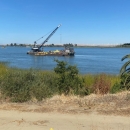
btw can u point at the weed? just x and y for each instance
(102, 84)
(116, 88)
(128, 96)
(20, 85)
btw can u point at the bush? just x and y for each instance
(125, 81)
(125, 74)
(89, 82)
(116, 88)
(68, 80)
(23, 85)
(17, 85)
(102, 84)
(44, 86)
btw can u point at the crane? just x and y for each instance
(38, 48)
(46, 40)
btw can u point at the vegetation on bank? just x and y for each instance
(126, 45)
(19, 85)
(125, 73)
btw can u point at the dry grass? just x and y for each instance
(117, 104)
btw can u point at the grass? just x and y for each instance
(18, 85)
(101, 83)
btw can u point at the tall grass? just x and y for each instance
(18, 85)
(101, 83)
(22, 85)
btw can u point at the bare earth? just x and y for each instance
(94, 112)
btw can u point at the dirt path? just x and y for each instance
(15, 120)
(94, 112)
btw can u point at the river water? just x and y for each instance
(87, 60)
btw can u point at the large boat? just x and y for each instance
(69, 51)
(38, 51)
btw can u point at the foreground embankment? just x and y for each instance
(93, 112)
(62, 100)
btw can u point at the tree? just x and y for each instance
(11, 44)
(68, 80)
(68, 45)
(15, 44)
(125, 73)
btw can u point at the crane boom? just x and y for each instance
(46, 40)
(37, 49)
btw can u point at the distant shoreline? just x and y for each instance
(83, 46)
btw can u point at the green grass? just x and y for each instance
(20, 85)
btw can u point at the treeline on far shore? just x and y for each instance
(19, 85)
(68, 45)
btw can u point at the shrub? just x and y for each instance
(44, 86)
(102, 84)
(128, 97)
(116, 88)
(125, 74)
(23, 85)
(41, 91)
(3, 70)
(17, 85)
(89, 82)
(68, 80)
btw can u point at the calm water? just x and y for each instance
(88, 60)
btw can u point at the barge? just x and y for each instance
(37, 51)
(67, 52)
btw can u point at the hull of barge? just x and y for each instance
(50, 54)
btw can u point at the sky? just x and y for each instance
(85, 22)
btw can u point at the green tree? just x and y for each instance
(11, 44)
(15, 44)
(68, 80)
(125, 74)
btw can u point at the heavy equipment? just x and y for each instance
(38, 51)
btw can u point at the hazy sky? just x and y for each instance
(83, 21)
